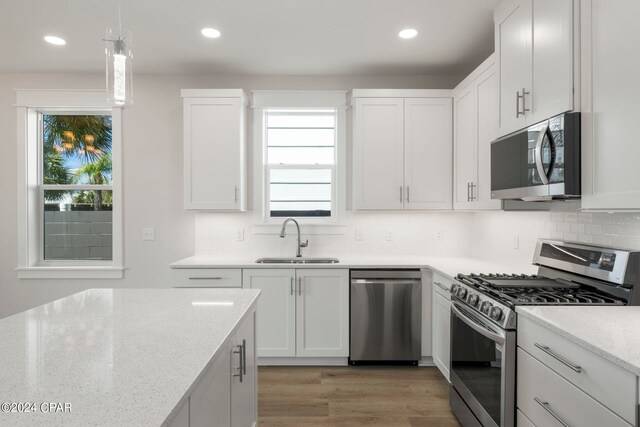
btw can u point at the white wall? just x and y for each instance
(152, 148)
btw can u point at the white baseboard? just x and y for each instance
(426, 361)
(303, 361)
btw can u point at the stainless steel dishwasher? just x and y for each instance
(386, 316)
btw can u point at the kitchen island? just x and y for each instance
(131, 357)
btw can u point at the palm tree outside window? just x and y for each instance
(76, 186)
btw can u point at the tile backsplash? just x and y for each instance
(511, 236)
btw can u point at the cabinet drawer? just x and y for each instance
(442, 282)
(206, 277)
(546, 398)
(609, 384)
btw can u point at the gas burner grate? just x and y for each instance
(534, 294)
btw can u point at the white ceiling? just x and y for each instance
(267, 37)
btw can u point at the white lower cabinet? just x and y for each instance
(227, 394)
(442, 323)
(559, 381)
(301, 312)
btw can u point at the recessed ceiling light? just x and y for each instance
(55, 40)
(212, 33)
(408, 33)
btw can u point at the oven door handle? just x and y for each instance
(498, 338)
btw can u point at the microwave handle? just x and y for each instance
(538, 154)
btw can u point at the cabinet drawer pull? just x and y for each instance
(407, 194)
(206, 278)
(292, 292)
(559, 358)
(235, 194)
(401, 193)
(545, 406)
(299, 285)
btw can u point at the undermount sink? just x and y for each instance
(297, 260)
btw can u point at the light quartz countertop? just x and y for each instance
(450, 266)
(119, 357)
(611, 332)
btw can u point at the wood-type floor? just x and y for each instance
(353, 396)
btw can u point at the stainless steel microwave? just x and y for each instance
(541, 162)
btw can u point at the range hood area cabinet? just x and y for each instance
(534, 42)
(402, 149)
(610, 107)
(475, 121)
(214, 129)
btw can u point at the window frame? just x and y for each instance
(31, 106)
(268, 167)
(300, 100)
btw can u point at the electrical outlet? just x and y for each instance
(516, 242)
(389, 236)
(240, 234)
(440, 234)
(359, 234)
(149, 233)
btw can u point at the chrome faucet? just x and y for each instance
(284, 233)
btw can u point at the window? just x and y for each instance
(75, 186)
(69, 203)
(300, 141)
(300, 162)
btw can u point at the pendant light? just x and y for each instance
(119, 69)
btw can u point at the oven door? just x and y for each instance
(482, 368)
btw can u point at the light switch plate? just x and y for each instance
(149, 233)
(389, 236)
(240, 234)
(439, 234)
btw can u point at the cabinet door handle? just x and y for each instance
(299, 285)
(244, 357)
(559, 358)
(206, 278)
(401, 193)
(545, 406)
(468, 191)
(407, 194)
(473, 191)
(524, 104)
(235, 193)
(239, 352)
(292, 279)
(518, 104)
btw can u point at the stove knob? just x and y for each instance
(473, 299)
(496, 313)
(461, 293)
(486, 307)
(453, 288)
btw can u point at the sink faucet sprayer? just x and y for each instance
(284, 233)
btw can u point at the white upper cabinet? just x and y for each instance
(535, 48)
(214, 149)
(427, 153)
(378, 155)
(402, 152)
(475, 112)
(610, 107)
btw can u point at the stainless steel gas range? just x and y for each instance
(483, 319)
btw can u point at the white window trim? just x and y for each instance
(30, 266)
(263, 100)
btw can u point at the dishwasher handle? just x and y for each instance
(385, 281)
